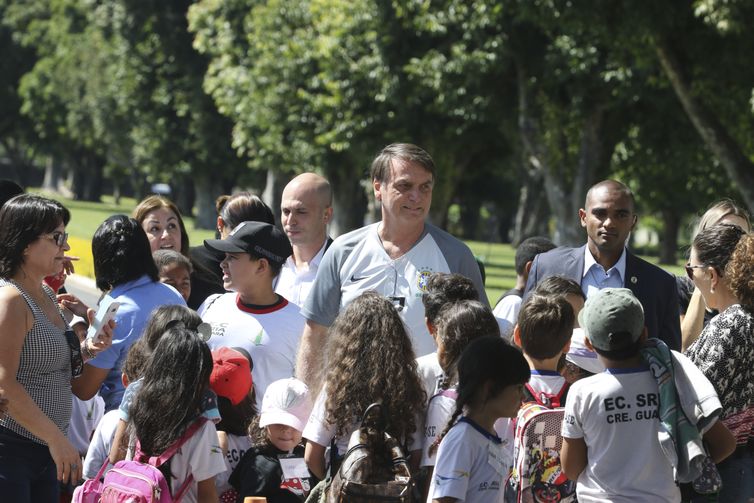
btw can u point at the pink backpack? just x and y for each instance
(138, 480)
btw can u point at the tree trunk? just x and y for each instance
(206, 190)
(532, 212)
(273, 192)
(669, 237)
(183, 194)
(53, 175)
(740, 169)
(349, 197)
(86, 183)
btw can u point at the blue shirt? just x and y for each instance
(596, 277)
(137, 299)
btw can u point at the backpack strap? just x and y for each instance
(513, 291)
(158, 461)
(545, 399)
(449, 393)
(381, 419)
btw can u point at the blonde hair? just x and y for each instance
(719, 210)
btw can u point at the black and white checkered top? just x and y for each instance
(44, 368)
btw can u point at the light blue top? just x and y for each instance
(137, 299)
(596, 277)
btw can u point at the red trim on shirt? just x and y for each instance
(261, 309)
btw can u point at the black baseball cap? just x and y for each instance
(256, 238)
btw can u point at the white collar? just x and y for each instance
(619, 266)
(314, 262)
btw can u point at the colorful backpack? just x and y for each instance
(371, 473)
(537, 475)
(138, 480)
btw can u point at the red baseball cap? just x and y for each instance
(231, 374)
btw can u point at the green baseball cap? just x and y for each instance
(612, 319)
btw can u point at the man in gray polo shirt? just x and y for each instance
(393, 257)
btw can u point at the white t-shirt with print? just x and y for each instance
(201, 456)
(439, 411)
(430, 372)
(270, 336)
(616, 413)
(469, 466)
(237, 446)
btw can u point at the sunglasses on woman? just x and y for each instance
(690, 270)
(77, 361)
(60, 238)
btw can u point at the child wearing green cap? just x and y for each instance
(611, 445)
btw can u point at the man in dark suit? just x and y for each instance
(609, 217)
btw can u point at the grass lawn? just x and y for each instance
(498, 258)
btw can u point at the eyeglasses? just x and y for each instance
(77, 362)
(690, 270)
(60, 238)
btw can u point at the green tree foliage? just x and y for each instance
(539, 98)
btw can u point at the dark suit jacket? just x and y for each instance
(655, 288)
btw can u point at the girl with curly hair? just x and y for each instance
(370, 359)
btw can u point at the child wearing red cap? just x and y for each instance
(232, 383)
(274, 468)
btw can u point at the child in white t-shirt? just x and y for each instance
(544, 334)
(457, 324)
(610, 429)
(469, 465)
(232, 383)
(442, 289)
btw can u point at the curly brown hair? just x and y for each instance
(370, 359)
(740, 271)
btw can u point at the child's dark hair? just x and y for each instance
(529, 249)
(457, 324)
(621, 354)
(486, 360)
(175, 380)
(545, 323)
(165, 258)
(553, 285)
(160, 320)
(135, 362)
(443, 288)
(259, 438)
(237, 419)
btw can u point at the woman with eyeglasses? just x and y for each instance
(721, 266)
(40, 356)
(125, 271)
(694, 313)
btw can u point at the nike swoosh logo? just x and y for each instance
(354, 279)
